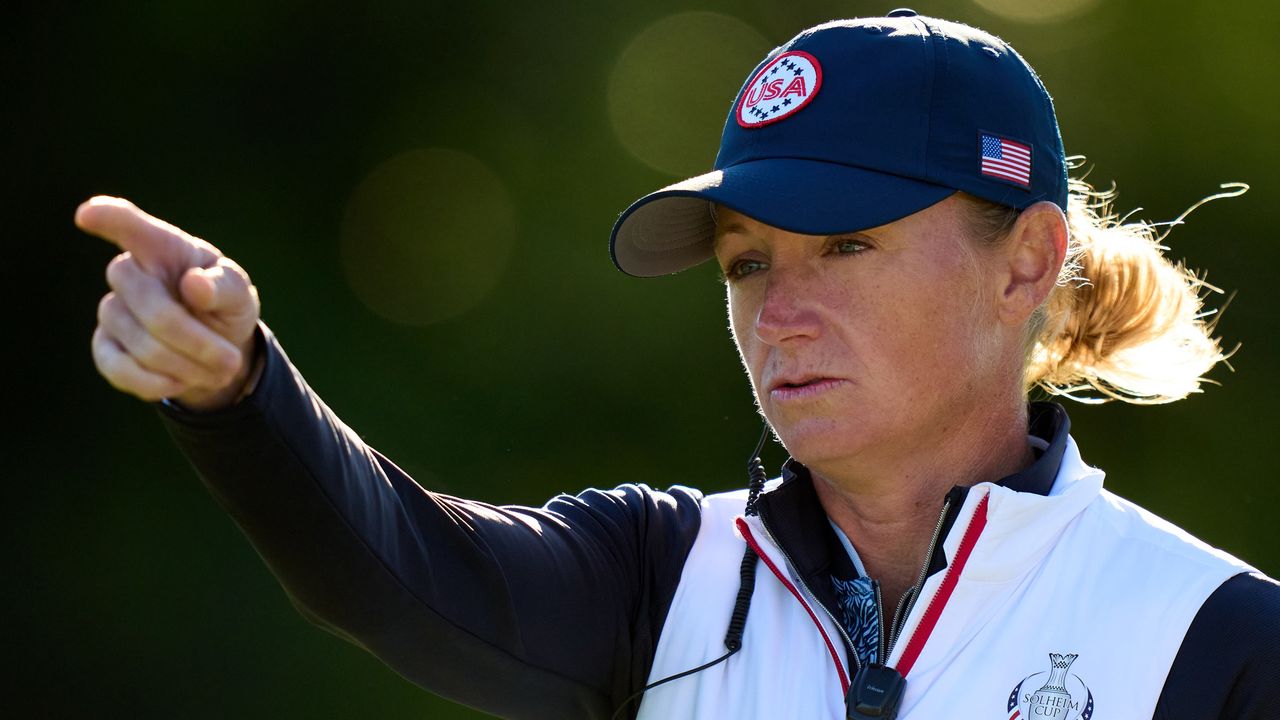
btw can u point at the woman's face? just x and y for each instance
(868, 344)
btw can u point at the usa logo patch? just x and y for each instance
(780, 89)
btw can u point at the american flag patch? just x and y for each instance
(1006, 159)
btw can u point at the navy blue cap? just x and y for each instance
(854, 124)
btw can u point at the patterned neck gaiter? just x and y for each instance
(860, 615)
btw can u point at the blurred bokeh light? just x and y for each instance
(1037, 11)
(672, 86)
(426, 235)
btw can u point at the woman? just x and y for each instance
(904, 259)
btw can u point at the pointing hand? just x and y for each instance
(179, 320)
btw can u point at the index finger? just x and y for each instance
(160, 248)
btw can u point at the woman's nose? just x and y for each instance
(787, 312)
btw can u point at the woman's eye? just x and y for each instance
(743, 268)
(848, 245)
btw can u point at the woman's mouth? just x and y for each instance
(787, 392)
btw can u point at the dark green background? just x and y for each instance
(129, 594)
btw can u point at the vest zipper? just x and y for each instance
(882, 646)
(904, 605)
(929, 618)
(850, 651)
(908, 598)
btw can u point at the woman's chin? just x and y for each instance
(814, 441)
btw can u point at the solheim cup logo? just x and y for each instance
(1062, 695)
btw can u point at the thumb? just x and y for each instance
(199, 290)
(223, 290)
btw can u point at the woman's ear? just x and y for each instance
(1033, 257)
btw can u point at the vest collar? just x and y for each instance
(1047, 421)
(795, 517)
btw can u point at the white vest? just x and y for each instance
(1070, 606)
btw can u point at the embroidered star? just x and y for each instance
(786, 101)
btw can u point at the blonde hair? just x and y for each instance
(1123, 322)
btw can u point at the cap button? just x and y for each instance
(903, 12)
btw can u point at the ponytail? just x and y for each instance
(1124, 322)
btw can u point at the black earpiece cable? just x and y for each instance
(746, 585)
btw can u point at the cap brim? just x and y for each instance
(670, 230)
